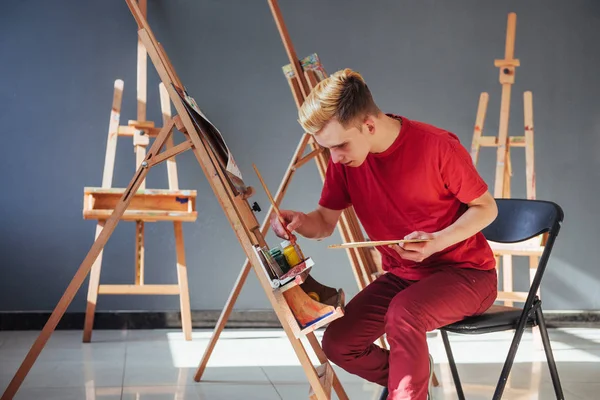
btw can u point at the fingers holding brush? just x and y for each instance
(285, 223)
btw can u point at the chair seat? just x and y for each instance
(496, 318)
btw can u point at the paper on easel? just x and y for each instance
(310, 62)
(216, 141)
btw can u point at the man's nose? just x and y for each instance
(335, 157)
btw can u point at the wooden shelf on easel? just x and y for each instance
(291, 290)
(329, 307)
(147, 205)
(139, 289)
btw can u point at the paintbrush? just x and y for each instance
(350, 245)
(290, 235)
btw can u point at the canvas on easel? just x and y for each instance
(232, 195)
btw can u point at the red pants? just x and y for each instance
(405, 311)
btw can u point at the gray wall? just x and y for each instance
(425, 60)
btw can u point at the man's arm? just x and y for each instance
(320, 223)
(481, 212)
(317, 224)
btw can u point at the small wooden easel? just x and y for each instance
(533, 247)
(288, 295)
(503, 142)
(147, 205)
(302, 76)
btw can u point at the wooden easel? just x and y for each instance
(147, 205)
(532, 248)
(302, 76)
(225, 180)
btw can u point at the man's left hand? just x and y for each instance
(417, 251)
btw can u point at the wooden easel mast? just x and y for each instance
(503, 173)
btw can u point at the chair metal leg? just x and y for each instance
(453, 369)
(384, 394)
(549, 355)
(510, 358)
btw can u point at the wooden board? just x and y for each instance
(146, 205)
(375, 243)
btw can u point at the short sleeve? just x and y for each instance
(335, 195)
(459, 173)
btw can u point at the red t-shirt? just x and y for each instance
(422, 182)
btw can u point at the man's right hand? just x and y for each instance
(292, 220)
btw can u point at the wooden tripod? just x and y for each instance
(532, 248)
(226, 182)
(146, 205)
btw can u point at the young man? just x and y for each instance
(405, 179)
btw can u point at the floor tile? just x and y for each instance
(363, 391)
(159, 393)
(69, 393)
(228, 391)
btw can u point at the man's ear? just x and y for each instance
(369, 124)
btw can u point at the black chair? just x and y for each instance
(517, 220)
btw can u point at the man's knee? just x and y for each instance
(335, 344)
(403, 315)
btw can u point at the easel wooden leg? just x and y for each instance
(529, 153)
(113, 135)
(237, 288)
(93, 285)
(309, 369)
(316, 346)
(107, 175)
(139, 252)
(478, 129)
(507, 275)
(182, 278)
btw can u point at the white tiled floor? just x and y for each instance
(261, 365)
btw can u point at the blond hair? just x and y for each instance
(343, 96)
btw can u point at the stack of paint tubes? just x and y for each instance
(287, 256)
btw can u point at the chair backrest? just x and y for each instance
(522, 219)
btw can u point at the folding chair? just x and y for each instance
(518, 220)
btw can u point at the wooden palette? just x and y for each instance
(350, 245)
